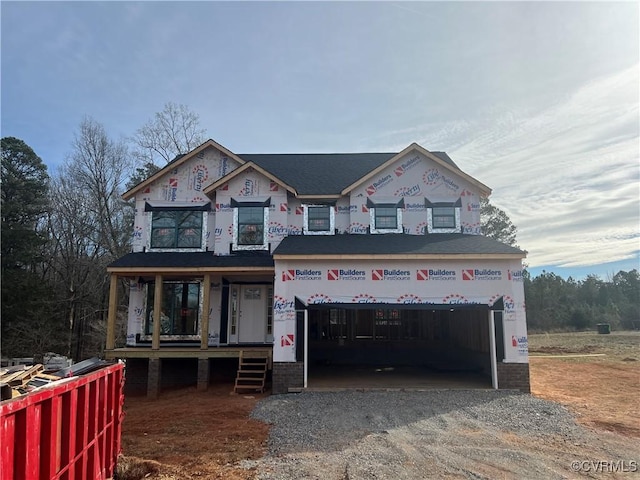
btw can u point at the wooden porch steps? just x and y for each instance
(252, 371)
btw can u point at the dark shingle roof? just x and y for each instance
(192, 259)
(445, 158)
(323, 173)
(392, 244)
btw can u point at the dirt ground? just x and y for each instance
(602, 391)
(189, 434)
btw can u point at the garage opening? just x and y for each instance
(398, 346)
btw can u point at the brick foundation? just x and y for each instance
(514, 376)
(287, 376)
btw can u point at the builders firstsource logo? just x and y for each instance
(304, 274)
(481, 274)
(521, 343)
(348, 274)
(378, 184)
(414, 207)
(408, 165)
(384, 274)
(515, 275)
(436, 274)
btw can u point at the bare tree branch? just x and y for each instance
(173, 131)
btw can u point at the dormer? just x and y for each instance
(251, 210)
(385, 215)
(172, 212)
(416, 192)
(444, 217)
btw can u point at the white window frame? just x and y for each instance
(398, 205)
(457, 209)
(203, 240)
(332, 220)
(265, 223)
(372, 220)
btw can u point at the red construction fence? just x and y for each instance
(69, 430)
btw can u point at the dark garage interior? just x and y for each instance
(399, 346)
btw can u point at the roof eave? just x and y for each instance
(209, 143)
(135, 271)
(221, 181)
(401, 256)
(414, 146)
(308, 196)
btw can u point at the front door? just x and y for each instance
(252, 314)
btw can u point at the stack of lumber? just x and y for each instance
(22, 379)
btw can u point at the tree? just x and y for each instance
(26, 299)
(625, 291)
(98, 168)
(557, 304)
(90, 226)
(173, 131)
(141, 174)
(24, 202)
(496, 223)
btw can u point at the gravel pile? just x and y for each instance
(407, 435)
(324, 421)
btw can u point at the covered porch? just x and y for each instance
(150, 343)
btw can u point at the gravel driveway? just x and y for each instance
(471, 434)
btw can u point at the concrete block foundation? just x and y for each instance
(203, 374)
(514, 376)
(287, 376)
(154, 377)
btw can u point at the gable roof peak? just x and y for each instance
(179, 160)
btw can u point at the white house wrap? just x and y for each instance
(340, 259)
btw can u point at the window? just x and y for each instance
(387, 324)
(319, 219)
(176, 229)
(251, 226)
(386, 218)
(444, 217)
(180, 308)
(270, 311)
(234, 310)
(250, 220)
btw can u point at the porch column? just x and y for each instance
(306, 347)
(111, 315)
(204, 321)
(492, 349)
(157, 311)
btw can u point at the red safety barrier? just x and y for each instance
(68, 430)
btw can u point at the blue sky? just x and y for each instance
(537, 100)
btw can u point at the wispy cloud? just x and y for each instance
(568, 175)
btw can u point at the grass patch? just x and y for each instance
(616, 346)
